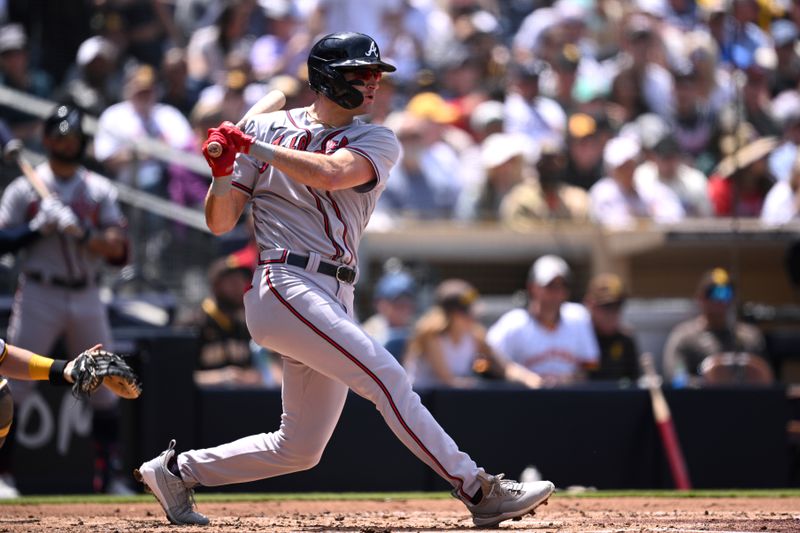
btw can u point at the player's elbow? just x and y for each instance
(218, 227)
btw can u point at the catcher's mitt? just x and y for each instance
(99, 367)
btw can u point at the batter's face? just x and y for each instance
(366, 81)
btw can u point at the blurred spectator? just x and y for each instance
(424, 183)
(505, 159)
(448, 343)
(526, 111)
(406, 33)
(224, 356)
(551, 336)
(283, 47)
(536, 36)
(782, 203)
(210, 45)
(176, 89)
(643, 54)
(139, 115)
(756, 98)
(787, 69)
(714, 85)
(545, 196)
(665, 166)
(694, 123)
(714, 332)
(786, 109)
(95, 83)
(619, 354)
(147, 26)
(17, 73)
(739, 33)
(229, 95)
(586, 137)
(395, 302)
(331, 16)
(618, 201)
(741, 180)
(565, 74)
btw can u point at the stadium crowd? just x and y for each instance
(610, 112)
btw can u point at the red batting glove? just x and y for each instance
(239, 139)
(222, 165)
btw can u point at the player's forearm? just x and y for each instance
(110, 244)
(223, 211)
(320, 171)
(23, 364)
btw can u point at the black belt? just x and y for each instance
(340, 272)
(76, 285)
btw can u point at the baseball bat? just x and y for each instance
(13, 150)
(665, 424)
(272, 101)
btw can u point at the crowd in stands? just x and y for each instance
(610, 112)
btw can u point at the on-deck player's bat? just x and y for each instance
(666, 427)
(272, 101)
(13, 151)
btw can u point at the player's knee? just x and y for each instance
(6, 410)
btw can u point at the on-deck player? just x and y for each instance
(312, 195)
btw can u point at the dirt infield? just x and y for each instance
(562, 515)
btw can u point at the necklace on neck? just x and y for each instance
(313, 117)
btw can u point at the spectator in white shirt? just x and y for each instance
(618, 202)
(551, 336)
(782, 203)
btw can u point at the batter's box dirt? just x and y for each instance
(562, 515)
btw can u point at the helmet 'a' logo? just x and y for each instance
(373, 50)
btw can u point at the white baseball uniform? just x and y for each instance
(307, 316)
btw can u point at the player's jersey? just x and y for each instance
(293, 216)
(90, 196)
(559, 352)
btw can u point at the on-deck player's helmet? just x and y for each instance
(66, 120)
(340, 51)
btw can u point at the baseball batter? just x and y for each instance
(313, 187)
(66, 237)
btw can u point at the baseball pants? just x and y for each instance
(308, 318)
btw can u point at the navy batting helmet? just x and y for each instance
(340, 51)
(66, 120)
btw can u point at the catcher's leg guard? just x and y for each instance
(6, 410)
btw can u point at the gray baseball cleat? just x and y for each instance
(504, 499)
(170, 490)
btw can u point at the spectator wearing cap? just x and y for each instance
(619, 353)
(643, 55)
(395, 302)
(448, 346)
(176, 89)
(665, 166)
(787, 68)
(586, 136)
(564, 76)
(140, 115)
(715, 331)
(694, 123)
(742, 179)
(17, 73)
(544, 196)
(526, 110)
(782, 203)
(618, 202)
(786, 108)
(224, 355)
(424, 183)
(550, 336)
(756, 97)
(505, 160)
(95, 83)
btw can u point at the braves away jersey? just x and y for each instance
(290, 215)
